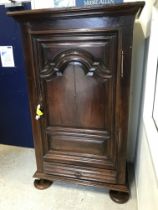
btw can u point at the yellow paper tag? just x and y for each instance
(39, 112)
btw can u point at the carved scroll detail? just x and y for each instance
(57, 66)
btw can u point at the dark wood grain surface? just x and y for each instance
(78, 69)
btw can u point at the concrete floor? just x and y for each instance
(17, 165)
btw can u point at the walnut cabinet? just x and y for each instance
(78, 70)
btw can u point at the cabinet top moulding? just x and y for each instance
(123, 9)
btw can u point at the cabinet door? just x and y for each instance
(78, 89)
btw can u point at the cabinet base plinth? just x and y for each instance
(119, 197)
(42, 184)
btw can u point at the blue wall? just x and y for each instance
(15, 123)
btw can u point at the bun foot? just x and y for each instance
(42, 184)
(119, 197)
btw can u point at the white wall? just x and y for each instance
(145, 176)
(4, 1)
(146, 181)
(7, 1)
(37, 4)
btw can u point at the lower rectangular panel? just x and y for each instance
(81, 173)
(78, 140)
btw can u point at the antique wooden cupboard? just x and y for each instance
(78, 69)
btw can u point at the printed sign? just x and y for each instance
(6, 55)
(96, 2)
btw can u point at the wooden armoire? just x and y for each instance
(78, 70)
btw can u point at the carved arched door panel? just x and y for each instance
(78, 96)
